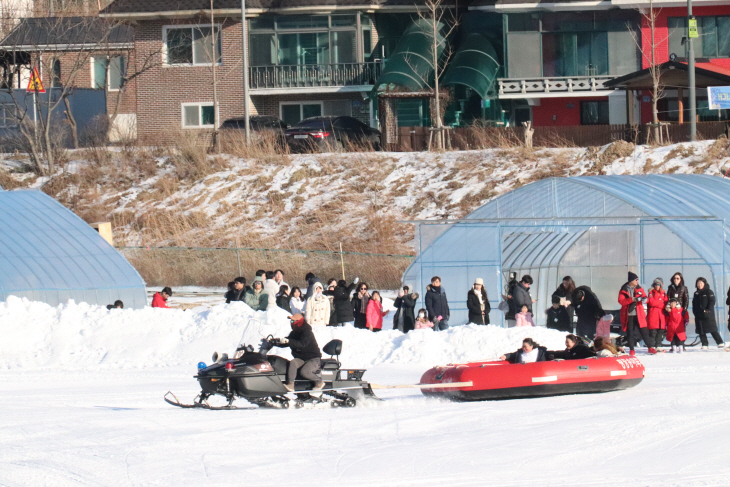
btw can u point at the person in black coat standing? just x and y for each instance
(677, 290)
(282, 298)
(477, 303)
(565, 291)
(558, 318)
(703, 307)
(588, 309)
(306, 353)
(405, 315)
(437, 305)
(360, 305)
(521, 297)
(343, 309)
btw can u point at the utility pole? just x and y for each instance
(692, 24)
(244, 46)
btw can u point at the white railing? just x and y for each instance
(566, 84)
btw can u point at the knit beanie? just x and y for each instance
(632, 276)
(659, 281)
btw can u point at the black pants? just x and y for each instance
(703, 337)
(677, 342)
(634, 333)
(586, 329)
(306, 370)
(657, 337)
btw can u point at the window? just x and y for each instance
(594, 112)
(198, 115)
(56, 73)
(307, 39)
(293, 113)
(575, 54)
(191, 45)
(713, 40)
(107, 72)
(8, 117)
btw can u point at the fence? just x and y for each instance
(200, 266)
(465, 138)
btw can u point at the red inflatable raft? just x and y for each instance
(502, 380)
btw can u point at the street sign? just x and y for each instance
(34, 83)
(718, 97)
(692, 24)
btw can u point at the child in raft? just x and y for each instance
(676, 332)
(524, 317)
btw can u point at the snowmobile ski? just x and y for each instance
(310, 391)
(201, 404)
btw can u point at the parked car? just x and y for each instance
(331, 133)
(260, 126)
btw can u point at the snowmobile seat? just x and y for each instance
(333, 347)
(329, 364)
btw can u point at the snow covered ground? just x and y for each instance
(81, 399)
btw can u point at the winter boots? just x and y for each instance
(289, 386)
(652, 351)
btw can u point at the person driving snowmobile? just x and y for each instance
(306, 353)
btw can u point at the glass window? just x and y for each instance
(594, 113)
(708, 31)
(116, 72)
(568, 21)
(291, 114)
(311, 110)
(179, 46)
(265, 22)
(302, 22)
(723, 36)
(198, 115)
(523, 22)
(192, 45)
(367, 42)
(344, 20)
(344, 47)
(262, 49)
(575, 54)
(56, 73)
(99, 74)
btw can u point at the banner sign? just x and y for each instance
(692, 24)
(718, 97)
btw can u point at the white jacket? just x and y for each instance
(271, 287)
(318, 310)
(297, 306)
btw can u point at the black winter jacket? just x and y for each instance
(559, 319)
(576, 353)
(282, 301)
(407, 306)
(516, 357)
(303, 344)
(475, 309)
(589, 310)
(521, 297)
(703, 307)
(562, 293)
(342, 305)
(510, 315)
(234, 295)
(436, 302)
(680, 293)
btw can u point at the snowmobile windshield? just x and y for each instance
(253, 333)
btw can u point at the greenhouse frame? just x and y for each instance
(49, 254)
(592, 228)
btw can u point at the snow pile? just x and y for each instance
(84, 337)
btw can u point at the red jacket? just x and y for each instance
(657, 302)
(159, 302)
(624, 299)
(375, 314)
(675, 324)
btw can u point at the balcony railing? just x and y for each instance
(566, 84)
(314, 75)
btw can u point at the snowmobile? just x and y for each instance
(259, 378)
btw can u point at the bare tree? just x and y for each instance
(650, 16)
(440, 22)
(40, 125)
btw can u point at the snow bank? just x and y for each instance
(79, 336)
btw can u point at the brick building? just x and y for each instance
(79, 52)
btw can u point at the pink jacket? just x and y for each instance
(375, 314)
(421, 325)
(524, 319)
